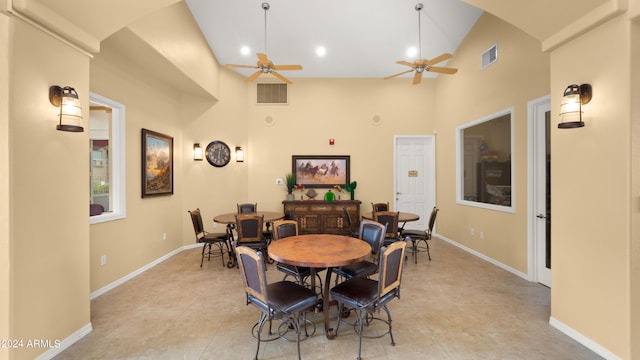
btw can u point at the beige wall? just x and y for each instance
(135, 241)
(49, 276)
(635, 190)
(143, 67)
(215, 190)
(50, 194)
(341, 109)
(5, 248)
(519, 75)
(591, 189)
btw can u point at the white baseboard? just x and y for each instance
(484, 257)
(64, 344)
(130, 276)
(73, 338)
(588, 343)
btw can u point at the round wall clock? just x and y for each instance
(218, 153)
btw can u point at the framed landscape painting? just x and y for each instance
(321, 171)
(157, 164)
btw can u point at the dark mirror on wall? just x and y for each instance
(485, 168)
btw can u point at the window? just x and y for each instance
(107, 155)
(484, 162)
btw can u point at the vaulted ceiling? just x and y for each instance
(362, 38)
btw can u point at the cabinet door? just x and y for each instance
(310, 224)
(334, 224)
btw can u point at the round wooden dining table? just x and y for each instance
(230, 218)
(320, 251)
(402, 216)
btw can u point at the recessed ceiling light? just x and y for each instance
(321, 51)
(412, 52)
(245, 50)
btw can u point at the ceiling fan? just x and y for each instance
(264, 65)
(421, 65)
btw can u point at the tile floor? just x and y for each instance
(455, 307)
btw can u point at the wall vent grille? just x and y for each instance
(490, 56)
(271, 93)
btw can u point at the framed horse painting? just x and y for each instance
(321, 171)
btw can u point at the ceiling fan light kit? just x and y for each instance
(264, 65)
(421, 65)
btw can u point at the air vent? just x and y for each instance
(271, 94)
(490, 56)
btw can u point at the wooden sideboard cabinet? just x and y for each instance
(323, 217)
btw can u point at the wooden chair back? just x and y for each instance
(198, 226)
(373, 233)
(252, 270)
(284, 228)
(390, 218)
(375, 207)
(391, 262)
(247, 208)
(249, 228)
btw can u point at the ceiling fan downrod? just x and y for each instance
(419, 7)
(265, 7)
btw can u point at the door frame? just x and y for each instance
(430, 168)
(534, 108)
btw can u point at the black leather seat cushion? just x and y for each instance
(359, 269)
(359, 292)
(287, 297)
(414, 234)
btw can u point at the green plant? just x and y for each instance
(290, 182)
(350, 187)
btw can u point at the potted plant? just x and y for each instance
(290, 182)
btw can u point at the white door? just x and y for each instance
(542, 192)
(415, 178)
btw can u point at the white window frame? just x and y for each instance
(460, 163)
(117, 187)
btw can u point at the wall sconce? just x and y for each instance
(239, 154)
(66, 98)
(571, 108)
(197, 152)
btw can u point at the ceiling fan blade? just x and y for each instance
(288, 67)
(241, 66)
(443, 70)
(254, 76)
(441, 58)
(262, 59)
(392, 76)
(402, 62)
(281, 77)
(417, 78)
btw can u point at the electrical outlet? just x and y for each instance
(279, 182)
(103, 260)
(472, 231)
(481, 234)
(164, 236)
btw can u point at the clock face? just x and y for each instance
(218, 153)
